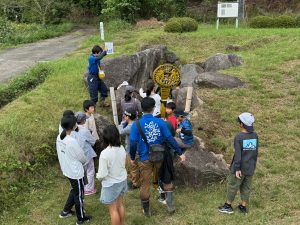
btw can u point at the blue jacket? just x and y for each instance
(186, 134)
(156, 132)
(94, 63)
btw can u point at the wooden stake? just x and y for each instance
(114, 105)
(188, 102)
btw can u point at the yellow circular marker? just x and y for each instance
(167, 76)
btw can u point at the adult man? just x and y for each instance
(156, 132)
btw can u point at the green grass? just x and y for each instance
(28, 33)
(28, 127)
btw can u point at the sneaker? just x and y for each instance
(226, 208)
(63, 214)
(162, 200)
(242, 209)
(85, 220)
(87, 193)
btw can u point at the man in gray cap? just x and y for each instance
(243, 164)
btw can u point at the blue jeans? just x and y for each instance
(96, 85)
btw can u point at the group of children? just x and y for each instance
(78, 136)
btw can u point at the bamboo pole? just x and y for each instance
(114, 105)
(188, 102)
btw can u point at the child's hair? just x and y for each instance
(97, 49)
(128, 96)
(68, 113)
(111, 136)
(150, 88)
(67, 123)
(87, 104)
(240, 122)
(147, 104)
(171, 105)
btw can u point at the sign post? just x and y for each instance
(228, 10)
(101, 31)
(167, 76)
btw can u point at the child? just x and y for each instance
(95, 84)
(243, 164)
(170, 107)
(113, 174)
(89, 109)
(86, 141)
(151, 93)
(133, 168)
(66, 113)
(130, 102)
(185, 130)
(71, 159)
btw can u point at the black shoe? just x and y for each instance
(146, 208)
(242, 209)
(226, 208)
(63, 214)
(86, 219)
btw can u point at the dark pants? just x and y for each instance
(76, 198)
(235, 184)
(96, 85)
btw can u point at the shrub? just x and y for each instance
(173, 27)
(297, 21)
(284, 21)
(262, 22)
(181, 24)
(22, 84)
(6, 30)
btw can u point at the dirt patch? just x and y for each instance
(257, 43)
(290, 65)
(151, 23)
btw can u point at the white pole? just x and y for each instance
(236, 23)
(218, 20)
(189, 96)
(114, 105)
(102, 31)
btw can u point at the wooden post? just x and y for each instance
(114, 105)
(188, 102)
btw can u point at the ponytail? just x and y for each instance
(63, 134)
(127, 96)
(150, 88)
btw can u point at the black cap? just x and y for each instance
(180, 112)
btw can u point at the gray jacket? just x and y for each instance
(125, 132)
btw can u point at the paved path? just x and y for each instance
(17, 60)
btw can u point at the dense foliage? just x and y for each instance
(181, 24)
(283, 21)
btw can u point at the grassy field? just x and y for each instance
(28, 127)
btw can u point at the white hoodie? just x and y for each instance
(71, 157)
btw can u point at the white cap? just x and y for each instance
(247, 119)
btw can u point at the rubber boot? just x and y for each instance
(170, 202)
(146, 208)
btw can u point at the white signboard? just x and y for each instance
(102, 31)
(228, 10)
(110, 47)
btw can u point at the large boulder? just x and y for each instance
(179, 97)
(101, 123)
(221, 62)
(201, 167)
(217, 80)
(188, 74)
(135, 69)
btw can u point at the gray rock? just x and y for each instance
(136, 69)
(217, 80)
(221, 62)
(101, 123)
(201, 167)
(179, 97)
(171, 57)
(188, 74)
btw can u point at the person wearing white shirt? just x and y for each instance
(150, 93)
(86, 141)
(113, 174)
(71, 159)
